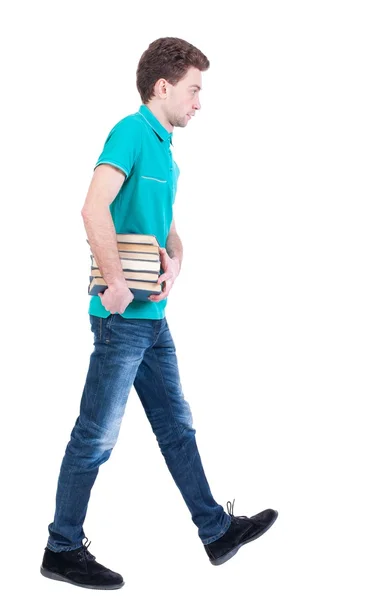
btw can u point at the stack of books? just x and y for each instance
(139, 256)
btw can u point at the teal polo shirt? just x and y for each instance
(139, 146)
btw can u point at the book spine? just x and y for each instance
(134, 238)
(145, 248)
(142, 268)
(127, 275)
(139, 295)
(139, 256)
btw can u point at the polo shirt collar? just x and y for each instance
(156, 125)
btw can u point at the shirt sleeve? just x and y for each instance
(122, 146)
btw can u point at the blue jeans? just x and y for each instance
(127, 352)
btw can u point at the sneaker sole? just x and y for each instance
(231, 553)
(58, 577)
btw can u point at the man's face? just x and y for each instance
(183, 98)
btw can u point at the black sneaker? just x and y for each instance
(79, 567)
(241, 531)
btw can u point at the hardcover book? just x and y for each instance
(141, 289)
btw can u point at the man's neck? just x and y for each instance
(159, 114)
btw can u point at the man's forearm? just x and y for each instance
(102, 239)
(174, 248)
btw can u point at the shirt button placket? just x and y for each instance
(171, 173)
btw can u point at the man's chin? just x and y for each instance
(182, 123)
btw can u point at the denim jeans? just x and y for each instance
(127, 352)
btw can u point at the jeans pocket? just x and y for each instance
(107, 329)
(101, 327)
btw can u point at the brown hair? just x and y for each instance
(169, 58)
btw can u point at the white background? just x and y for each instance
(280, 314)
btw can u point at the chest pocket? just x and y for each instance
(153, 179)
(154, 190)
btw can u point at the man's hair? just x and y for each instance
(169, 58)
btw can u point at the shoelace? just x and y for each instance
(230, 508)
(84, 552)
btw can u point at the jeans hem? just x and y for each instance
(219, 535)
(54, 548)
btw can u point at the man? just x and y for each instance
(132, 191)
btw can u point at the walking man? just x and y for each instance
(132, 191)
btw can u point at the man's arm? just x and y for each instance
(104, 187)
(174, 246)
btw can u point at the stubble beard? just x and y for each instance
(178, 121)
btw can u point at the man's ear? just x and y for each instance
(160, 88)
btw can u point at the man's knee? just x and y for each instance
(89, 440)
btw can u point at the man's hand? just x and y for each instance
(116, 298)
(171, 269)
